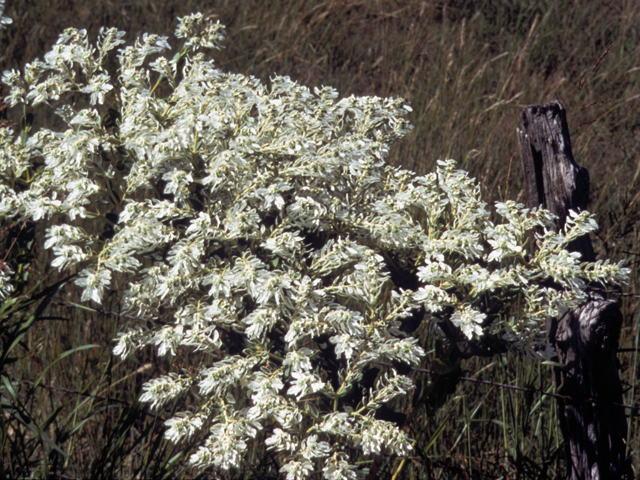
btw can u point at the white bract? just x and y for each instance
(4, 21)
(258, 227)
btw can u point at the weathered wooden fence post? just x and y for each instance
(586, 339)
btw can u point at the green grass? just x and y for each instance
(468, 68)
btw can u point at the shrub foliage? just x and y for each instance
(259, 229)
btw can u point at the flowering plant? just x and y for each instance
(259, 228)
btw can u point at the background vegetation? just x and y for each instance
(467, 67)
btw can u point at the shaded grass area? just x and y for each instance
(467, 67)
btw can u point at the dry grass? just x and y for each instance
(467, 67)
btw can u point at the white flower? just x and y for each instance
(4, 21)
(379, 436)
(339, 469)
(94, 283)
(129, 341)
(168, 339)
(281, 441)
(159, 391)
(304, 384)
(297, 469)
(183, 426)
(98, 86)
(224, 448)
(469, 320)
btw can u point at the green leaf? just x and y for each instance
(60, 357)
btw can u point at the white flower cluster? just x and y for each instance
(259, 228)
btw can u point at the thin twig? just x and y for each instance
(514, 387)
(62, 303)
(66, 390)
